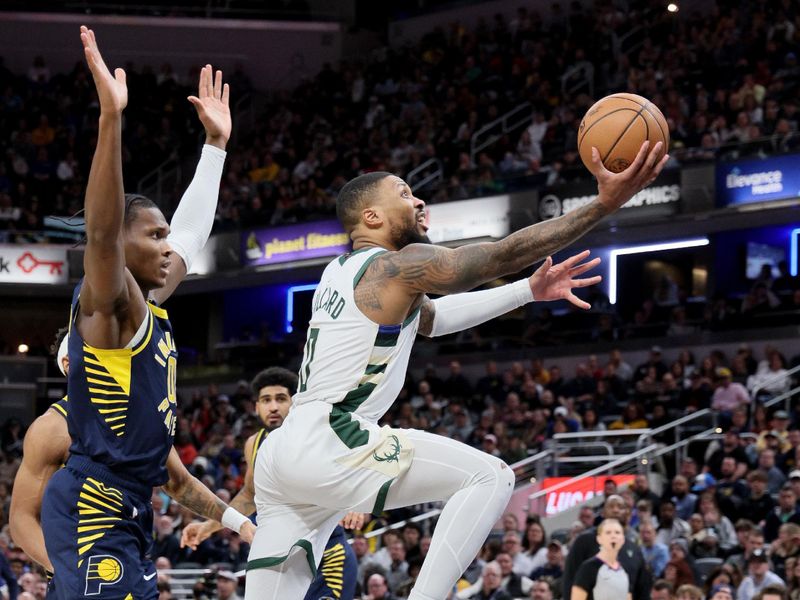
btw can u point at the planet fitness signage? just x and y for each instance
(758, 180)
(294, 242)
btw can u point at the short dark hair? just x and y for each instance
(274, 376)
(60, 335)
(134, 203)
(352, 196)
(662, 585)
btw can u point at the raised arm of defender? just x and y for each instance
(104, 258)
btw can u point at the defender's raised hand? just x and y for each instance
(556, 282)
(112, 90)
(615, 189)
(212, 104)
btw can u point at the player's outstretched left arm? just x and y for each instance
(192, 222)
(457, 312)
(189, 491)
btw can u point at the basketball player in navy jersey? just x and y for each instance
(336, 577)
(96, 513)
(45, 451)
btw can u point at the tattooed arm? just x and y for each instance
(422, 268)
(188, 491)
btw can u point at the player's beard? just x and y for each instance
(409, 234)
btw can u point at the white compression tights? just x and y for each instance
(475, 485)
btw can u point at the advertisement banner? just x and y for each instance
(661, 197)
(293, 242)
(469, 219)
(577, 492)
(33, 264)
(758, 180)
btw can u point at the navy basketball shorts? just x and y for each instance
(98, 530)
(337, 572)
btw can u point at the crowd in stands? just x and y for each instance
(729, 76)
(736, 501)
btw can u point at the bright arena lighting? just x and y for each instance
(793, 257)
(672, 7)
(290, 302)
(23, 348)
(612, 268)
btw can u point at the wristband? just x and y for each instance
(233, 519)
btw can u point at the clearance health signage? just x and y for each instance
(294, 242)
(758, 180)
(33, 264)
(577, 492)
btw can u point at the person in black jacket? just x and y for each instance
(630, 556)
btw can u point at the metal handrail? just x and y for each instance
(596, 471)
(771, 380)
(785, 397)
(586, 69)
(649, 434)
(436, 175)
(599, 434)
(171, 166)
(476, 147)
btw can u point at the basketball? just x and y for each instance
(617, 125)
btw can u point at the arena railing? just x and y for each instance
(678, 425)
(635, 461)
(431, 171)
(482, 138)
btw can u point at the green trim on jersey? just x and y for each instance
(343, 258)
(366, 264)
(410, 318)
(271, 561)
(380, 499)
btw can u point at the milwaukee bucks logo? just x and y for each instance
(394, 453)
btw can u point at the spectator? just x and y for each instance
(397, 572)
(786, 512)
(772, 592)
(513, 584)
(512, 544)
(490, 585)
(759, 576)
(656, 554)
(662, 590)
(784, 548)
(682, 500)
(540, 590)
(227, 582)
(729, 395)
(759, 503)
(722, 591)
(670, 526)
(690, 592)
(535, 545)
(166, 542)
(377, 588)
(553, 569)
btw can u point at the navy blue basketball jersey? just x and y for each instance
(260, 437)
(122, 404)
(61, 407)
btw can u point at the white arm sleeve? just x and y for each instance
(191, 224)
(462, 311)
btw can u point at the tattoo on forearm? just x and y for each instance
(200, 500)
(442, 271)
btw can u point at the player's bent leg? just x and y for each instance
(477, 488)
(288, 580)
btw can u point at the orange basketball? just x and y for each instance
(617, 126)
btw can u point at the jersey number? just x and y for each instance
(308, 357)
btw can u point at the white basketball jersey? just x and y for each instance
(349, 360)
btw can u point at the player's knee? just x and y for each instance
(506, 478)
(499, 477)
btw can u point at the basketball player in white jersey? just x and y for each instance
(330, 456)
